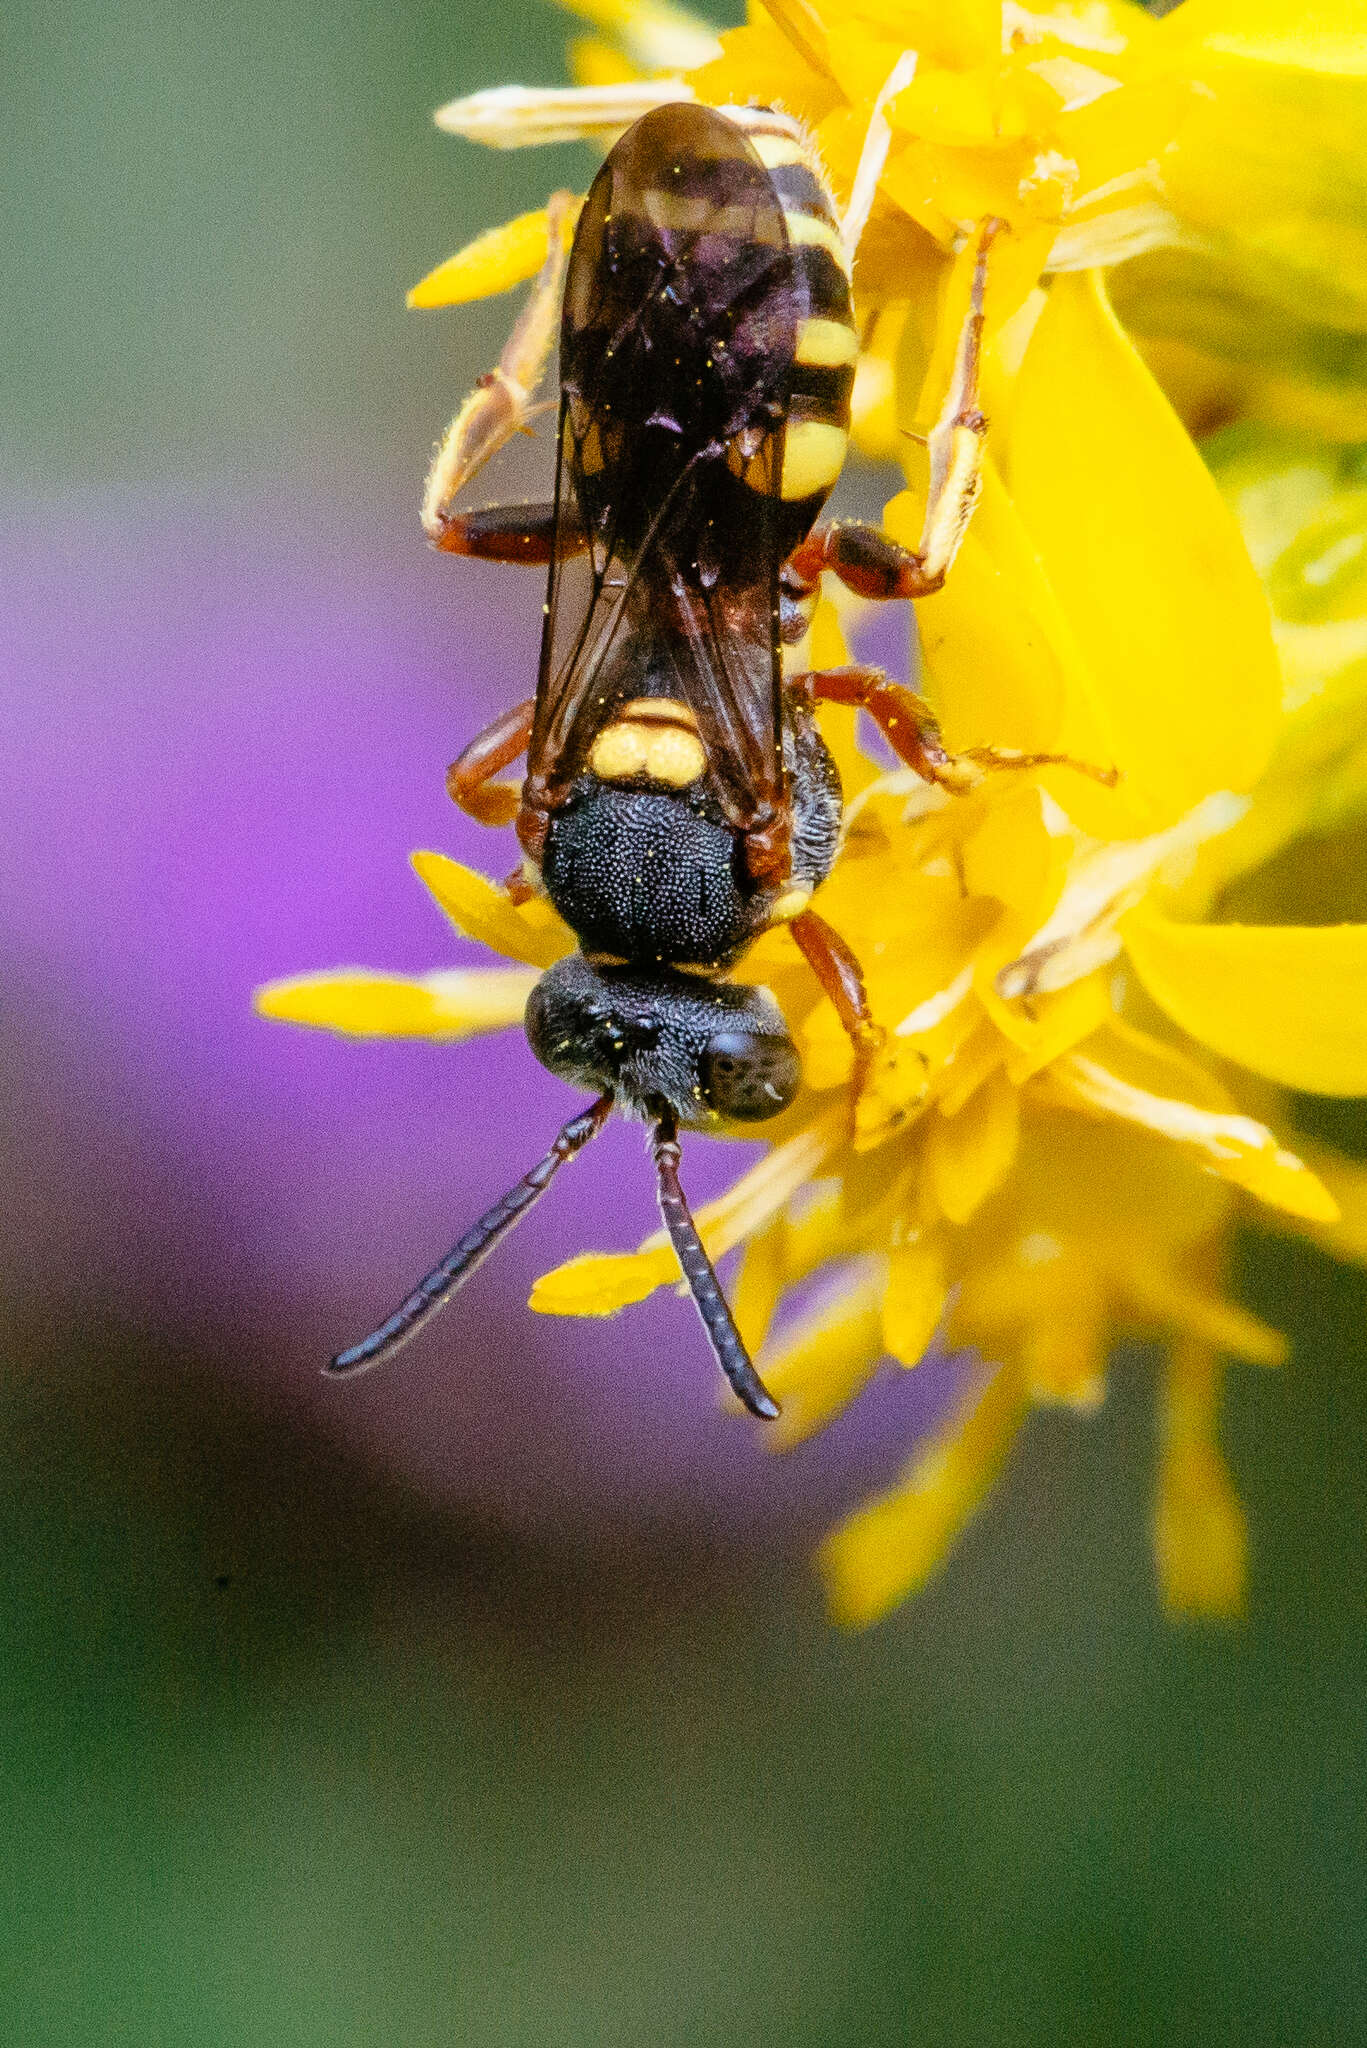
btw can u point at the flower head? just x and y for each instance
(1076, 1096)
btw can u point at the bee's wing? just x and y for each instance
(676, 349)
(724, 659)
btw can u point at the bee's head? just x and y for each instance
(666, 1047)
(705, 1050)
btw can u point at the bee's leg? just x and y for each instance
(508, 533)
(502, 401)
(842, 979)
(468, 779)
(912, 729)
(769, 848)
(865, 559)
(519, 887)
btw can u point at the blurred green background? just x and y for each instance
(293, 1752)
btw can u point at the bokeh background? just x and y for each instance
(489, 1700)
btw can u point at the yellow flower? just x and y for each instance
(1091, 996)
(1263, 307)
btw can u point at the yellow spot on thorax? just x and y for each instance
(652, 743)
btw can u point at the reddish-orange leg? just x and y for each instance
(842, 979)
(506, 533)
(866, 559)
(913, 731)
(517, 888)
(469, 781)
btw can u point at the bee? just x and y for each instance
(679, 799)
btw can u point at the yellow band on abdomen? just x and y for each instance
(807, 230)
(776, 150)
(813, 455)
(826, 344)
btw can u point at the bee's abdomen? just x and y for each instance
(707, 309)
(825, 340)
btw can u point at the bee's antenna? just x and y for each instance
(441, 1283)
(732, 1356)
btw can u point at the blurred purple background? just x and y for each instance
(232, 718)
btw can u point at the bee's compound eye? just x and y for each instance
(749, 1074)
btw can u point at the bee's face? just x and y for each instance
(706, 1050)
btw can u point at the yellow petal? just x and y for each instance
(969, 1155)
(822, 1362)
(911, 967)
(494, 262)
(800, 22)
(915, 1298)
(591, 61)
(657, 36)
(1042, 1029)
(1105, 879)
(840, 1219)
(1018, 854)
(970, 1065)
(1146, 560)
(1200, 1535)
(1312, 35)
(599, 1283)
(530, 932)
(1289, 1001)
(1044, 1303)
(1346, 1180)
(995, 648)
(1162, 1297)
(1065, 1348)
(766, 67)
(1236, 1148)
(759, 1286)
(891, 1547)
(524, 117)
(1112, 1186)
(873, 401)
(762, 1193)
(965, 37)
(361, 1004)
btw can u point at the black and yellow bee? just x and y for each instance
(679, 799)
